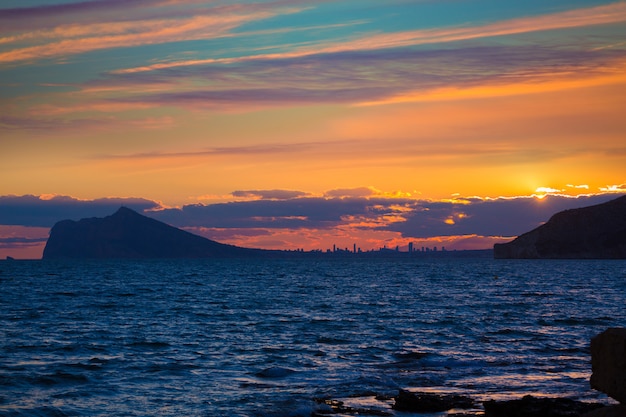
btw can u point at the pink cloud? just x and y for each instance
(75, 39)
(22, 242)
(341, 237)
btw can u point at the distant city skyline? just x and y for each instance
(302, 124)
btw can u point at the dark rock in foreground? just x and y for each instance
(595, 232)
(330, 407)
(128, 235)
(420, 402)
(530, 406)
(609, 411)
(608, 363)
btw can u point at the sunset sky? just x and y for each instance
(302, 124)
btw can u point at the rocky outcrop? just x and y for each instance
(595, 232)
(422, 402)
(608, 411)
(608, 363)
(328, 407)
(530, 406)
(128, 234)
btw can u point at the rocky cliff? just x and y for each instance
(128, 234)
(595, 232)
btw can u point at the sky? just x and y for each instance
(293, 124)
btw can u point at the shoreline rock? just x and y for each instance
(421, 402)
(608, 411)
(530, 406)
(608, 363)
(608, 358)
(427, 403)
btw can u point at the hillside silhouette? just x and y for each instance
(128, 234)
(594, 232)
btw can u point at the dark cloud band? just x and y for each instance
(280, 209)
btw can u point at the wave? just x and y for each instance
(37, 412)
(275, 372)
(245, 344)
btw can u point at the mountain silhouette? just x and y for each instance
(128, 234)
(594, 232)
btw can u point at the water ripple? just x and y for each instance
(253, 338)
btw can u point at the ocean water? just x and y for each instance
(269, 337)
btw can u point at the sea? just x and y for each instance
(284, 337)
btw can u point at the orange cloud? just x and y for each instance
(617, 188)
(537, 84)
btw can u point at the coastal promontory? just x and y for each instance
(129, 235)
(594, 232)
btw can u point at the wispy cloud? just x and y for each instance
(361, 192)
(269, 194)
(615, 188)
(44, 123)
(243, 150)
(76, 39)
(383, 77)
(370, 70)
(97, 31)
(539, 83)
(11, 242)
(61, 30)
(599, 15)
(377, 77)
(607, 14)
(101, 11)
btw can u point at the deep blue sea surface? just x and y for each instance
(268, 337)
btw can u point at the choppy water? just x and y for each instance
(267, 337)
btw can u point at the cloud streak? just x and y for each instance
(74, 39)
(101, 31)
(375, 69)
(269, 194)
(599, 15)
(62, 30)
(11, 242)
(220, 151)
(381, 77)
